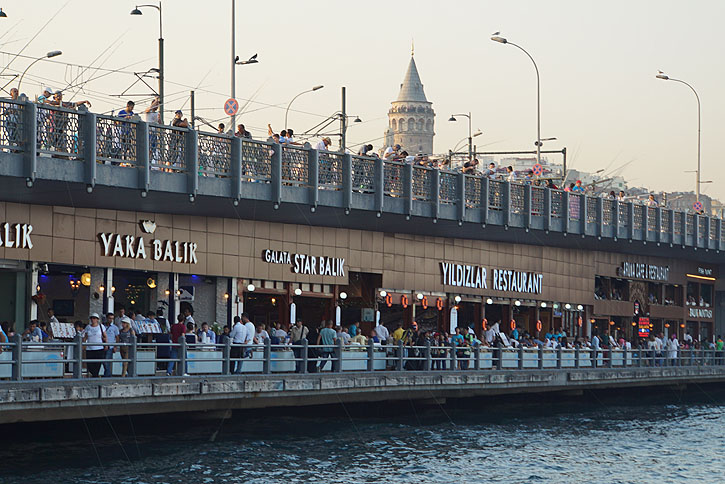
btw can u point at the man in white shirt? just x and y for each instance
(323, 144)
(672, 347)
(249, 335)
(237, 336)
(390, 152)
(382, 332)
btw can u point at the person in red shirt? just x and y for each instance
(177, 330)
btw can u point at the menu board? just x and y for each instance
(62, 330)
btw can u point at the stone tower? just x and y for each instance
(410, 118)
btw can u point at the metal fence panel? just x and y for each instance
(690, 224)
(608, 212)
(575, 206)
(517, 197)
(295, 169)
(447, 188)
(422, 181)
(538, 195)
(256, 161)
(651, 219)
(495, 195)
(167, 148)
(393, 176)
(638, 222)
(215, 154)
(58, 132)
(11, 125)
(473, 191)
(330, 170)
(591, 209)
(665, 221)
(623, 215)
(363, 174)
(678, 223)
(557, 203)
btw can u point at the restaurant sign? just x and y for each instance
(700, 313)
(462, 275)
(132, 247)
(306, 264)
(16, 236)
(637, 270)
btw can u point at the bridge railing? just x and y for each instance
(77, 359)
(83, 137)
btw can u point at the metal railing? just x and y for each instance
(116, 141)
(70, 134)
(59, 132)
(78, 359)
(167, 148)
(215, 155)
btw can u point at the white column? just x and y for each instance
(33, 291)
(108, 293)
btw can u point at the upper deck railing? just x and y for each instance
(83, 147)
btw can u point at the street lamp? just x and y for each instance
(52, 53)
(477, 133)
(316, 88)
(237, 62)
(664, 77)
(137, 11)
(470, 137)
(502, 40)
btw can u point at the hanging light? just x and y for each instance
(113, 289)
(543, 304)
(383, 293)
(151, 282)
(343, 295)
(517, 303)
(226, 295)
(419, 296)
(298, 292)
(250, 288)
(86, 279)
(457, 299)
(580, 307)
(167, 292)
(274, 301)
(567, 306)
(489, 301)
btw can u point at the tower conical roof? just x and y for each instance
(412, 89)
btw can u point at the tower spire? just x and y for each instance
(412, 47)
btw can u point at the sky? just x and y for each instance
(597, 60)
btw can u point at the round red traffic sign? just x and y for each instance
(231, 107)
(538, 169)
(697, 206)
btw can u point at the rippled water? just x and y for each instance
(584, 441)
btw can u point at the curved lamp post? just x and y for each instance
(137, 11)
(316, 88)
(52, 53)
(470, 137)
(665, 77)
(502, 40)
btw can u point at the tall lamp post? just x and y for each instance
(316, 88)
(137, 11)
(664, 77)
(236, 62)
(470, 136)
(52, 53)
(502, 40)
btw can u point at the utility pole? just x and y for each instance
(233, 120)
(343, 123)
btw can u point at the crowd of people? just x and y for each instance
(113, 333)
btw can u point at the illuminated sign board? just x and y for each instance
(637, 270)
(643, 328)
(306, 264)
(476, 277)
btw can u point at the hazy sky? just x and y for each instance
(597, 62)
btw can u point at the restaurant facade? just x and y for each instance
(82, 260)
